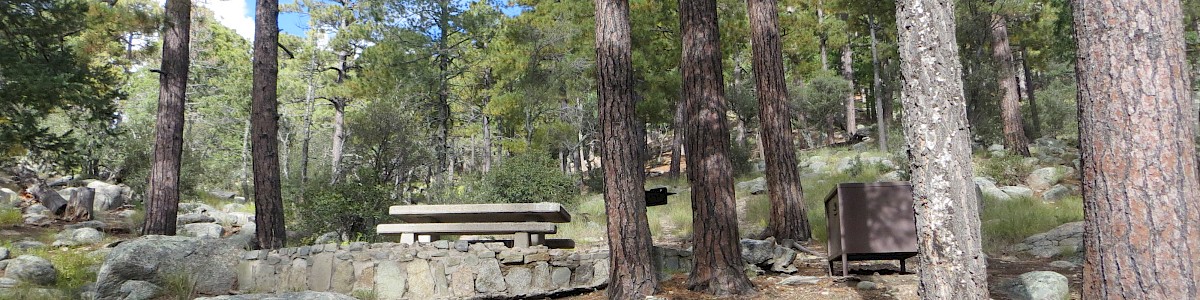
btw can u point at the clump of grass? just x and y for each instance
(1006, 223)
(10, 217)
(179, 285)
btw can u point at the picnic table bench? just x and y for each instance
(529, 223)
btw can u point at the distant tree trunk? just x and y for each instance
(631, 268)
(1140, 188)
(79, 208)
(718, 259)
(881, 121)
(264, 116)
(823, 36)
(848, 74)
(789, 216)
(339, 138)
(677, 140)
(1010, 101)
(1030, 88)
(162, 193)
(244, 176)
(310, 102)
(935, 125)
(487, 127)
(442, 136)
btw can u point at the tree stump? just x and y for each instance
(80, 207)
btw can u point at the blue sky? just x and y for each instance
(239, 15)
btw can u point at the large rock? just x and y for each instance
(755, 186)
(1017, 191)
(1064, 239)
(8, 198)
(107, 197)
(1057, 192)
(140, 290)
(1039, 285)
(757, 251)
(988, 188)
(305, 295)
(1044, 178)
(190, 218)
(202, 230)
(78, 237)
(209, 264)
(32, 269)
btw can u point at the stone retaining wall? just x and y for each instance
(437, 270)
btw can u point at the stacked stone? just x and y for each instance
(440, 269)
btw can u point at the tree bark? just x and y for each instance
(1140, 188)
(789, 216)
(952, 263)
(79, 208)
(848, 74)
(631, 268)
(823, 36)
(264, 123)
(310, 101)
(162, 193)
(339, 138)
(1010, 100)
(718, 259)
(881, 120)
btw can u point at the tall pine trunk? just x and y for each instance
(1136, 125)
(718, 259)
(162, 199)
(677, 141)
(881, 120)
(1010, 101)
(1030, 88)
(789, 218)
(339, 138)
(848, 74)
(631, 268)
(268, 203)
(935, 125)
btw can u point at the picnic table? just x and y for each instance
(529, 223)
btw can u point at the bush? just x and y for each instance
(529, 178)
(350, 209)
(1006, 223)
(1006, 170)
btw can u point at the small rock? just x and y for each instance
(36, 219)
(328, 237)
(1062, 264)
(1044, 178)
(36, 209)
(800, 280)
(8, 283)
(190, 218)
(866, 285)
(77, 237)
(757, 251)
(1057, 192)
(233, 207)
(3, 253)
(755, 186)
(27, 245)
(94, 224)
(1017, 191)
(202, 230)
(1038, 285)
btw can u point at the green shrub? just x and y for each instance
(1006, 170)
(350, 209)
(529, 178)
(739, 159)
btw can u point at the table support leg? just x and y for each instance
(408, 238)
(425, 238)
(537, 239)
(521, 240)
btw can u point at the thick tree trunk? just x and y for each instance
(1010, 101)
(631, 269)
(848, 74)
(718, 258)
(789, 218)
(881, 121)
(50, 199)
(952, 263)
(79, 208)
(268, 202)
(162, 193)
(1141, 194)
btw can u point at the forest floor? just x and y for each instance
(889, 282)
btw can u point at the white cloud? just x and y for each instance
(235, 14)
